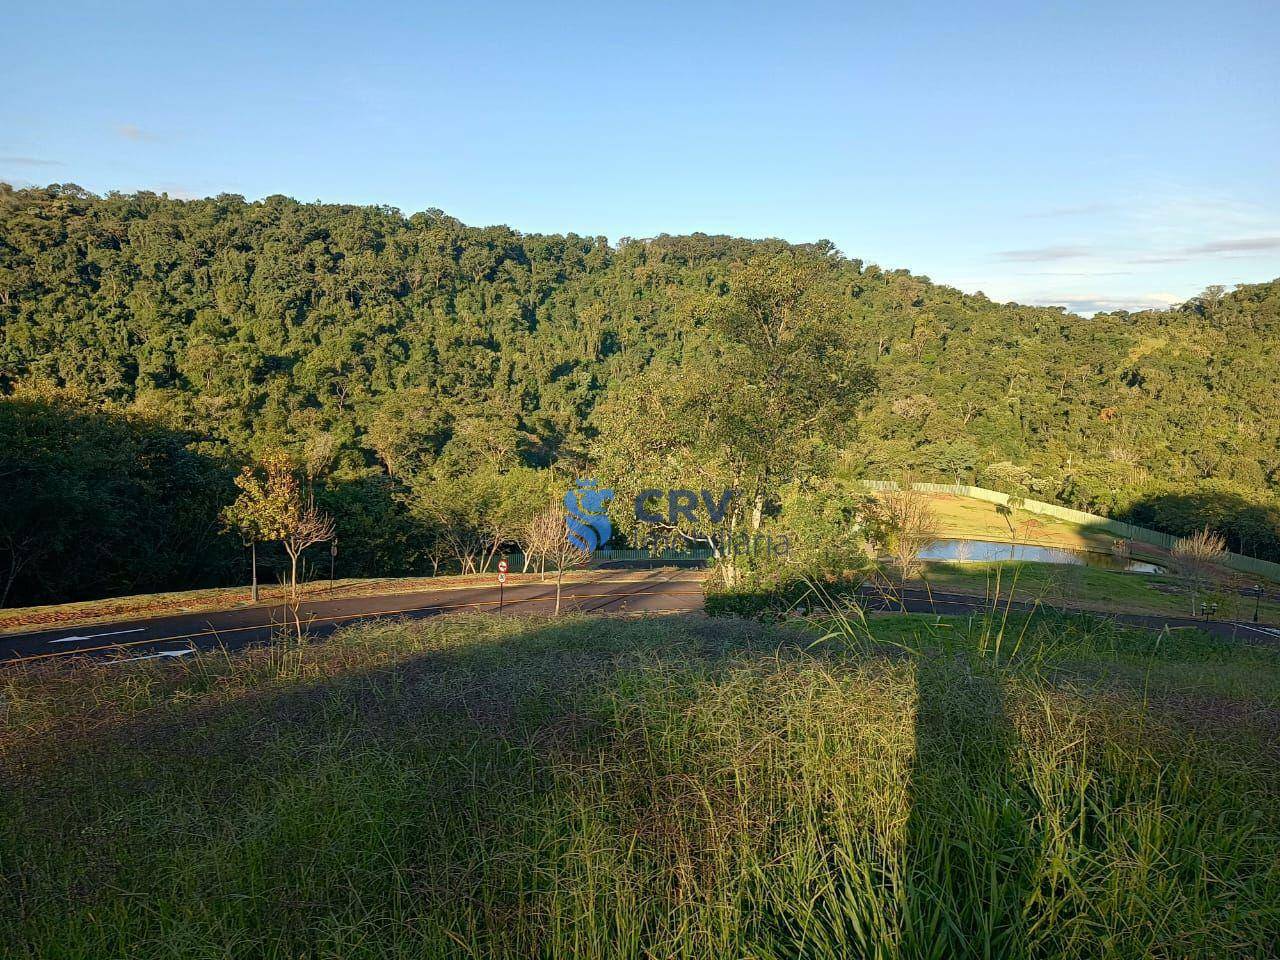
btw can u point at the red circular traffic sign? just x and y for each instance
(502, 566)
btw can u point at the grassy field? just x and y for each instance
(658, 787)
(965, 517)
(1090, 588)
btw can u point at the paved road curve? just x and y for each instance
(606, 591)
(611, 591)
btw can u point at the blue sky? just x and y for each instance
(1094, 155)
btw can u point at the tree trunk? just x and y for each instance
(16, 563)
(559, 580)
(730, 573)
(293, 576)
(8, 582)
(253, 562)
(725, 553)
(493, 552)
(8, 585)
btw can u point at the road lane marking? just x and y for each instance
(1267, 632)
(157, 656)
(94, 636)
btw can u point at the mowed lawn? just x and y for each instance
(970, 518)
(656, 787)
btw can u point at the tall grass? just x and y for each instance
(670, 787)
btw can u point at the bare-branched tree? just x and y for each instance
(541, 536)
(906, 524)
(305, 525)
(1195, 558)
(562, 553)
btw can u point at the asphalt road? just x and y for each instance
(607, 591)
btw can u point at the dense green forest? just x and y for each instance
(150, 346)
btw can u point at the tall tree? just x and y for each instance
(773, 386)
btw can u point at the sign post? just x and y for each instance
(502, 579)
(333, 558)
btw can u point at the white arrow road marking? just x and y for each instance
(1255, 628)
(157, 656)
(92, 636)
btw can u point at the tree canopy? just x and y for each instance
(388, 353)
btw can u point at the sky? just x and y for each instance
(1096, 155)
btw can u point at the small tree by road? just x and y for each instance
(1194, 559)
(555, 546)
(273, 506)
(541, 537)
(256, 513)
(306, 525)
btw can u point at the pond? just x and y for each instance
(990, 551)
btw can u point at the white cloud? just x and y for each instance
(1090, 303)
(179, 192)
(1242, 245)
(1043, 254)
(135, 133)
(30, 162)
(1079, 210)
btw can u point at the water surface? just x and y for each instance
(990, 551)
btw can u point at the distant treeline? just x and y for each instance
(150, 346)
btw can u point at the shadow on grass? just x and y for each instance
(598, 788)
(363, 793)
(968, 863)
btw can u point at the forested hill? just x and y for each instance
(372, 344)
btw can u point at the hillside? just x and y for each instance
(373, 345)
